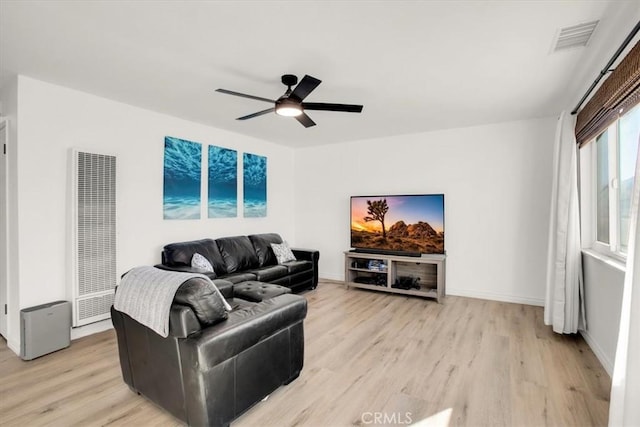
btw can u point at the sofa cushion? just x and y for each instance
(283, 281)
(181, 253)
(283, 252)
(238, 253)
(241, 276)
(225, 287)
(205, 301)
(268, 274)
(262, 245)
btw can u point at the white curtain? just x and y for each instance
(624, 409)
(564, 301)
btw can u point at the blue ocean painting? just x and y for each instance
(223, 182)
(182, 176)
(255, 185)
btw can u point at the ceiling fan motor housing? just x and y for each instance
(289, 80)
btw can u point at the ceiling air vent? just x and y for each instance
(574, 36)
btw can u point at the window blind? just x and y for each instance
(619, 93)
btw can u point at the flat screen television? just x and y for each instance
(403, 225)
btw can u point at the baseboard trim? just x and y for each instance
(90, 329)
(332, 277)
(495, 296)
(468, 293)
(332, 281)
(76, 333)
(597, 350)
(14, 346)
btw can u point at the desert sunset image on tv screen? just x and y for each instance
(412, 223)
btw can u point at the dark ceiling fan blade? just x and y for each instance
(304, 88)
(305, 120)
(244, 95)
(323, 106)
(259, 113)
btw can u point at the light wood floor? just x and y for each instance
(370, 359)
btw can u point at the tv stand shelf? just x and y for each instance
(422, 276)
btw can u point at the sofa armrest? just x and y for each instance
(306, 254)
(182, 321)
(186, 269)
(309, 255)
(244, 328)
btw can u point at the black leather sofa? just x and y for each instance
(214, 364)
(245, 258)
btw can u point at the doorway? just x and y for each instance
(4, 199)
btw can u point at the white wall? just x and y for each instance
(496, 180)
(604, 283)
(9, 98)
(53, 119)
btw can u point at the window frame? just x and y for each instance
(612, 249)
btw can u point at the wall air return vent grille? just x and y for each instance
(574, 36)
(89, 308)
(93, 231)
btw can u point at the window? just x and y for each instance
(629, 137)
(614, 154)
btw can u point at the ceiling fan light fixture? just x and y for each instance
(288, 109)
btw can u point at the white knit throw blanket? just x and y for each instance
(146, 294)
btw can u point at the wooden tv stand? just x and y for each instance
(379, 272)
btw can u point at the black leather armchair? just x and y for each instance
(207, 375)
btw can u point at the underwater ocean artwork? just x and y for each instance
(255, 185)
(182, 176)
(223, 182)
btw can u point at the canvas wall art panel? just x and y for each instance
(255, 185)
(182, 179)
(223, 183)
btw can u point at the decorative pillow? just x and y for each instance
(283, 252)
(204, 299)
(200, 262)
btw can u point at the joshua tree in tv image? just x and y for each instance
(377, 211)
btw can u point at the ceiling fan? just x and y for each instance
(290, 104)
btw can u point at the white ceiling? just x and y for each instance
(415, 66)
